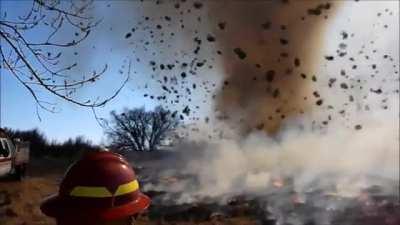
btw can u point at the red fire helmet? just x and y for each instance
(101, 185)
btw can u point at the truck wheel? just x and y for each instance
(20, 172)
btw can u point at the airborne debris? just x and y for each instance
(276, 93)
(331, 81)
(222, 25)
(269, 76)
(198, 5)
(283, 41)
(318, 9)
(344, 35)
(377, 91)
(175, 73)
(210, 38)
(186, 111)
(266, 25)
(128, 35)
(297, 62)
(344, 86)
(314, 78)
(240, 53)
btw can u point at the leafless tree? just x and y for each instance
(37, 63)
(140, 130)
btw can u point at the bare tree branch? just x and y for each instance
(36, 63)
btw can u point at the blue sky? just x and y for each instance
(19, 112)
(107, 45)
(18, 108)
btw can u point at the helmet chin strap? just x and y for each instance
(128, 221)
(125, 221)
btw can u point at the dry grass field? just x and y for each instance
(22, 199)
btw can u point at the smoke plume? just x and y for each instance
(269, 61)
(302, 95)
(302, 106)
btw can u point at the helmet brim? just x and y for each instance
(129, 209)
(55, 206)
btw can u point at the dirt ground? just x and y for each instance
(20, 200)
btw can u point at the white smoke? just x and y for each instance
(351, 153)
(337, 155)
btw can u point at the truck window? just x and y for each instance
(10, 145)
(4, 150)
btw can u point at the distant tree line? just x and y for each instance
(131, 130)
(40, 146)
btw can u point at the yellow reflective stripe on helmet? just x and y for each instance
(102, 192)
(127, 188)
(91, 192)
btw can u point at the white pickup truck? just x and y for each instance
(14, 156)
